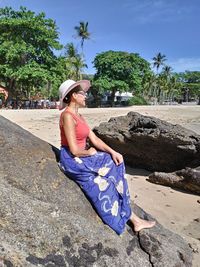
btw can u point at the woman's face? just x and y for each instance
(80, 98)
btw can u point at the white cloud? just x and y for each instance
(183, 64)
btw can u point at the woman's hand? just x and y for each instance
(117, 157)
(92, 151)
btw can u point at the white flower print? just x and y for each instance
(102, 183)
(103, 171)
(126, 176)
(78, 160)
(114, 209)
(120, 187)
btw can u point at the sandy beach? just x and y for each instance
(176, 210)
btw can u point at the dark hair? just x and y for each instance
(67, 98)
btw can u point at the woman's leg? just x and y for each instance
(105, 185)
(139, 224)
(119, 191)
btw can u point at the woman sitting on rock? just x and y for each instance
(99, 170)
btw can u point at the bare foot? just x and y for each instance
(142, 224)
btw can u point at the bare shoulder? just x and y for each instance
(67, 117)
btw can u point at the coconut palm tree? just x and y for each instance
(159, 60)
(149, 86)
(167, 71)
(82, 32)
(161, 86)
(71, 51)
(167, 75)
(174, 88)
(79, 65)
(74, 62)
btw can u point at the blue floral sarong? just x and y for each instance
(104, 184)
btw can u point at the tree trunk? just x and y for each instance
(10, 85)
(112, 97)
(48, 89)
(159, 94)
(186, 95)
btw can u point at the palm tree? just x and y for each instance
(162, 86)
(159, 60)
(149, 86)
(167, 71)
(174, 88)
(82, 32)
(79, 65)
(74, 62)
(71, 51)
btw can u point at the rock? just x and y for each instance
(45, 219)
(151, 143)
(187, 179)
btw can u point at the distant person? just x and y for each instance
(99, 170)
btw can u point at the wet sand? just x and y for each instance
(176, 210)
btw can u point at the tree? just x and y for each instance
(79, 65)
(27, 44)
(71, 52)
(159, 60)
(59, 73)
(174, 88)
(190, 85)
(82, 32)
(119, 71)
(74, 62)
(167, 70)
(164, 83)
(150, 86)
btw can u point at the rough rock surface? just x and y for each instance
(151, 143)
(187, 179)
(45, 219)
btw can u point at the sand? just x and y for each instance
(176, 210)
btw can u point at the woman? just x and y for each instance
(99, 170)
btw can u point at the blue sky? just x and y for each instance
(139, 26)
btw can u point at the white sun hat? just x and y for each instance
(67, 86)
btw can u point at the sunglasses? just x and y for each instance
(82, 93)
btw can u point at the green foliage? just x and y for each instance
(27, 44)
(192, 77)
(59, 73)
(137, 100)
(159, 60)
(105, 84)
(82, 32)
(119, 71)
(75, 62)
(2, 96)
(189, 84)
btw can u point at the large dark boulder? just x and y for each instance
(187, 179)
(151, 143)
(45, 219)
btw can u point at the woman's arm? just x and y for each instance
(99, 144)
(69, 129)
